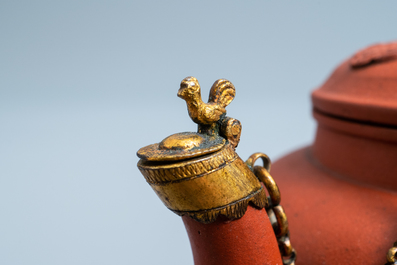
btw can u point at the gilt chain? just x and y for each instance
(275, 211)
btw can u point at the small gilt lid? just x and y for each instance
(214, 128)
(181, 146)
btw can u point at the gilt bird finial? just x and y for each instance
(211, 117)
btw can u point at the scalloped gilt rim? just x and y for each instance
(231, 211)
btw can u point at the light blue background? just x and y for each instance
(84, 85)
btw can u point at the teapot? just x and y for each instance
(340, 193)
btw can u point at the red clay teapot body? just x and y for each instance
(341, 192)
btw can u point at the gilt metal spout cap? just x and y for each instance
(199, 174)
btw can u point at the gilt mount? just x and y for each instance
(199, 174)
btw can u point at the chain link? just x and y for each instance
(275, 211)
(392, 255)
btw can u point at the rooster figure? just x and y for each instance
(211, 117)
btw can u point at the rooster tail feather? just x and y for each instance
(222, 92)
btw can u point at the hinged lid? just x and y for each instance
(182, 146)
(214, 128)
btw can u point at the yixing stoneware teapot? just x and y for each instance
(340, 193)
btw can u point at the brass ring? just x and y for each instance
(291, 259)
(285, 246)
(281, 221)
(391, 254)
(252, 159)
(263, 175)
